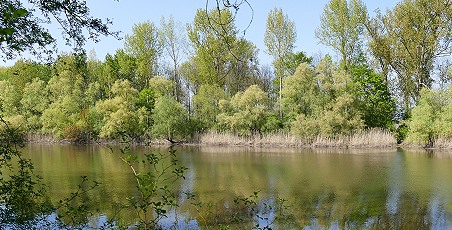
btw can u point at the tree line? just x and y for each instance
(173, 82)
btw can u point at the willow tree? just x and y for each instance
(409, 39)
(342, 28)
(280, 37)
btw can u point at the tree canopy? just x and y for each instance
(23, 26)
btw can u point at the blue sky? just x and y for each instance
(125, 13)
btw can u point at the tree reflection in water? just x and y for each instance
(334, 189)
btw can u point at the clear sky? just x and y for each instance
(125, 13)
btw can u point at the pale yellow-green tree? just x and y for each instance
(321, 101)
(8, 104)
(342, 28)
(120, 114)
(431, 118)
(162, 86)
(301, 93)
(220, 57)
(247, 112)
(280, 37)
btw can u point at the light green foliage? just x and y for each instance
(60, 114)
(293, 60)
(66, 94)
(321, 101)
(409, 39)
(144, 45)
(431, 118)
(170, 119)
(8, 103)
(161, 86)
(93, 93)
(341, 116)
(342, 28)
(120, 114)
(221, 58)
(23, 72)
(280, 37)
(301, 93)
(248, 110)
(211, 45)
(206, 104)
(34, 102)
(146, 99)
(306, 127)
(443, 126)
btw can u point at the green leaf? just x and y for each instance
(8, 31)
(20, 13)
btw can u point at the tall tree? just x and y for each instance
(211, 44)
(173, 40)
(145, 46)
(280, 37)
(342, 28)
(409, 39)
(220, 56)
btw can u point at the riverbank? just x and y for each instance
(373, 138)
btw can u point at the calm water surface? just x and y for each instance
(324, 189)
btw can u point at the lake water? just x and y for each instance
(321, 188)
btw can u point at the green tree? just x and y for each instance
(120, 114)
(170, 120)
(162, 86)
(408, 39)
(321, 101)
(66, 95)
(206, 104)
(280, 37)
(431, 117)
(342, 28)
(34, 102)
(248, 112)
(376, 103)
(144, 45)
(8, 101)
(293, 60)
(301, 93)
(220, 57)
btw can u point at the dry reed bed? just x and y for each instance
(365, 139)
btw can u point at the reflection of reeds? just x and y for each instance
(365, 139)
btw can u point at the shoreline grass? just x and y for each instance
(371, 138)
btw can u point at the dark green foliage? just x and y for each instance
(376, 103)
